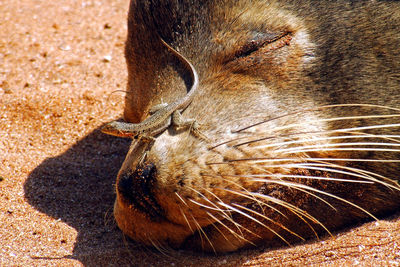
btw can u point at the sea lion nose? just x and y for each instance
(136, 186)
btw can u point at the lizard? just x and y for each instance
(162, 115)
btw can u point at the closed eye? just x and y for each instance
(259, 41)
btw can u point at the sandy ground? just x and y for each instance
(59, 62)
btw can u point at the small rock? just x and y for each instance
(64, 47)
(107, 58)
(6, 87)
(329, 254)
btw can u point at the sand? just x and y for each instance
(59, 63)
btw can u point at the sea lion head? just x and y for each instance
(298, 102)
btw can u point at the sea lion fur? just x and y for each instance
(300, 101)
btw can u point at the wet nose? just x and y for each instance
(136, 188)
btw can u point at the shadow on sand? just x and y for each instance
(77, 187)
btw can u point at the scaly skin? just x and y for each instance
(162, 118)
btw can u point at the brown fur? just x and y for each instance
(257, 61)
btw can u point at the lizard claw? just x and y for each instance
(194, 129)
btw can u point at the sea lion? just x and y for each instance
(300, 102)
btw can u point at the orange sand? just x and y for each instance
(59, 62)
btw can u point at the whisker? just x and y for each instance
(270, 220)
(263, 160)
(203, 205)
(317, 197)
(294, 125)
(390, 137)
(369, 127)
(259, 222)
(328, 138)
(321, 167)
(296, 185)
(187, 221)
(322, 147)
(181, 199)
(326, 132)
(160, 248)
(219, 230)
(227, 142)
(364, 174)
(128, 248)
(314, 109)
(301, 177)
(238, 236)
(305, 177)
(109, 218)
(206, 199)
(360, 173)
(260, 203)
(299, 213)
(198, 230)
(321, 120)
(289, 151)
(242, 213)
(295, 210)
(201, 231)
(223, 212)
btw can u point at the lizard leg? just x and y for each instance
(179, 122)
(147, 139)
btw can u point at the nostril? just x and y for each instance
(137, 181)
(136, 188)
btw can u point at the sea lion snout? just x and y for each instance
(135, 187)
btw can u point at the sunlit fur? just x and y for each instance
(304, 131)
